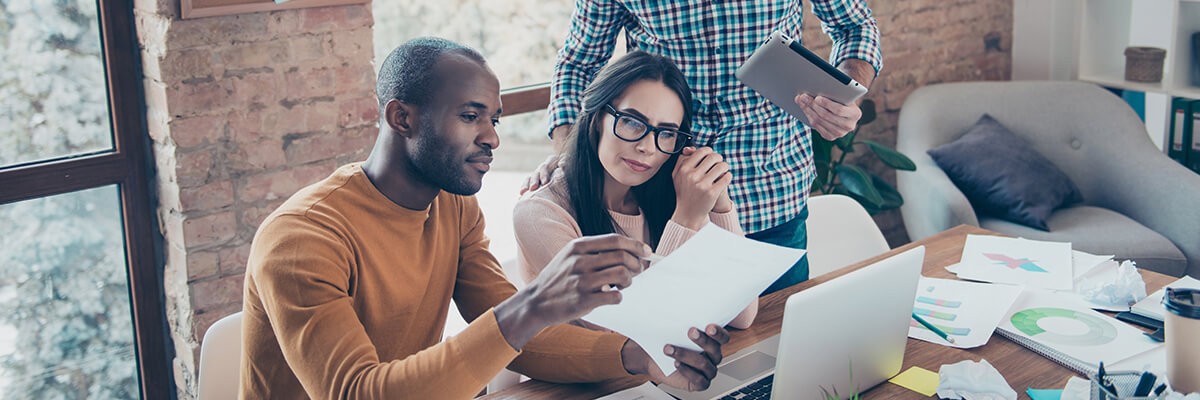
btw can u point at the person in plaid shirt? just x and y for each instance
(769, 151)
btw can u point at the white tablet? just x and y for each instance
(781, 68)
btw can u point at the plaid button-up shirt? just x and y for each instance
(769, 151)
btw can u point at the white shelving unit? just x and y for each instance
(1086, 40)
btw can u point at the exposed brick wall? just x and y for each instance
(925, 42)
(243, 111)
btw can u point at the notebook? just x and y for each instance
(1068, 332)
(1151, 306)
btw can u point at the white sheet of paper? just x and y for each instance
(1067, 325)
(1087, 267)
(647, 391)
(1093, 268)
(967, 311)
(1020, 261)
(707, 280)
(1085, 263)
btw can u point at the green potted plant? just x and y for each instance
(835, 176)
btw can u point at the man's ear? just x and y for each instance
(400, 116)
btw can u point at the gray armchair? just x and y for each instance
(1137, 203)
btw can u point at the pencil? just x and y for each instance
(932, 328)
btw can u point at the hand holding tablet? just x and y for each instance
(781, 69)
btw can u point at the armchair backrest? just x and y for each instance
(1084, 130)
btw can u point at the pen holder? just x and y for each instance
(1125, 382)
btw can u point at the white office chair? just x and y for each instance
(221, 359)
(840, 233)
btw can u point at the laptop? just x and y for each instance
(857, 321)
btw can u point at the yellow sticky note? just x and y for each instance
(918, 379)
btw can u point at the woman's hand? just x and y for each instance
(701, 179)
(724, 203)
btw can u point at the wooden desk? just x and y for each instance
(1022, 368)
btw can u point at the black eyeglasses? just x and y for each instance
(630, 128)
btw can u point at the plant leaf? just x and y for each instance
(822, 177)
(822, 149)
(846, 143)
(891, 196)
(858, 182)
(868, 112)
(891, 157)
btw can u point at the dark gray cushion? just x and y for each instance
(1002, 176)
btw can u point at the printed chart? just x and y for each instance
(968, 311)
(1096, 331)
(1046, 265)
(1064, 327)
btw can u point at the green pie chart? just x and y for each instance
(1098, 331)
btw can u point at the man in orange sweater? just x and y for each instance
(350, 280)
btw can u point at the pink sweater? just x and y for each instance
(543, 226)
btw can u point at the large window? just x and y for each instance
(79, 273)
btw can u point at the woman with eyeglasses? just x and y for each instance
(630, 169)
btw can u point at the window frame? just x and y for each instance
(130, 166)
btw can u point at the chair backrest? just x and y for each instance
(221, 359)
(840, 233)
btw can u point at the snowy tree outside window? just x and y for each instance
(66, 330)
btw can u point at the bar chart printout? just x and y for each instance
(968, 311)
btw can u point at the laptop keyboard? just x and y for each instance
(760, 389)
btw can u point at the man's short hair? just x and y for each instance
(408, 73)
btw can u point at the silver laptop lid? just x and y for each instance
(858, 320)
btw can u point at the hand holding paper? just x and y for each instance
(708, 280)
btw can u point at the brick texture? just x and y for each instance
(244, 110)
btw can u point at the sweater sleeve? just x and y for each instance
(302, 273)
(561, 353)
(542, 229)
(674, 235)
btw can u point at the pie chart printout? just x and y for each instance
(1047, 324)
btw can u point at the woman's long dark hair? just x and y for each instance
(583, 172)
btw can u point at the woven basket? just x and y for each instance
(1144, 64)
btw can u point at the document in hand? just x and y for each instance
(708, 280)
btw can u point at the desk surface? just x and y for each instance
(1022, 368)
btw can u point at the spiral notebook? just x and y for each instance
(1065, 330)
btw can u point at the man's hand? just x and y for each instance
(694, 371)
(581, 277)
(541, 176)
(829, 118)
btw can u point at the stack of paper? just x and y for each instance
(1035, 264)
(1151, 306)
